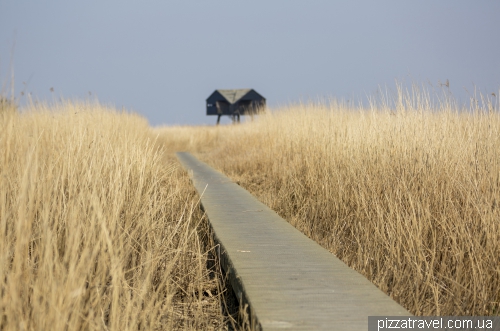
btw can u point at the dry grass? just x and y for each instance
(97, 230)
(407, 192)
(6, 105)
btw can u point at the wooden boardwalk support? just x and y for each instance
(288, 280)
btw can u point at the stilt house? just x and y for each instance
(235, 103)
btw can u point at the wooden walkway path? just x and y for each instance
(288, 280)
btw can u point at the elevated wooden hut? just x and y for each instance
(235, 103)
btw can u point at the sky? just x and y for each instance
(162, 59)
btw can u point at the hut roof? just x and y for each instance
(233, 96)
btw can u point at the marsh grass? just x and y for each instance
(98, 229)
(6, 105)
(406, 191)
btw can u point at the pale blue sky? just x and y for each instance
(162, 59)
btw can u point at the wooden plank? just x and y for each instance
(288, 280)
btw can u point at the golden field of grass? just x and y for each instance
(408, 194)
(99, 229)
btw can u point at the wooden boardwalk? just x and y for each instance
(288, 280)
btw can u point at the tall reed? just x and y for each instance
(97, 232)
